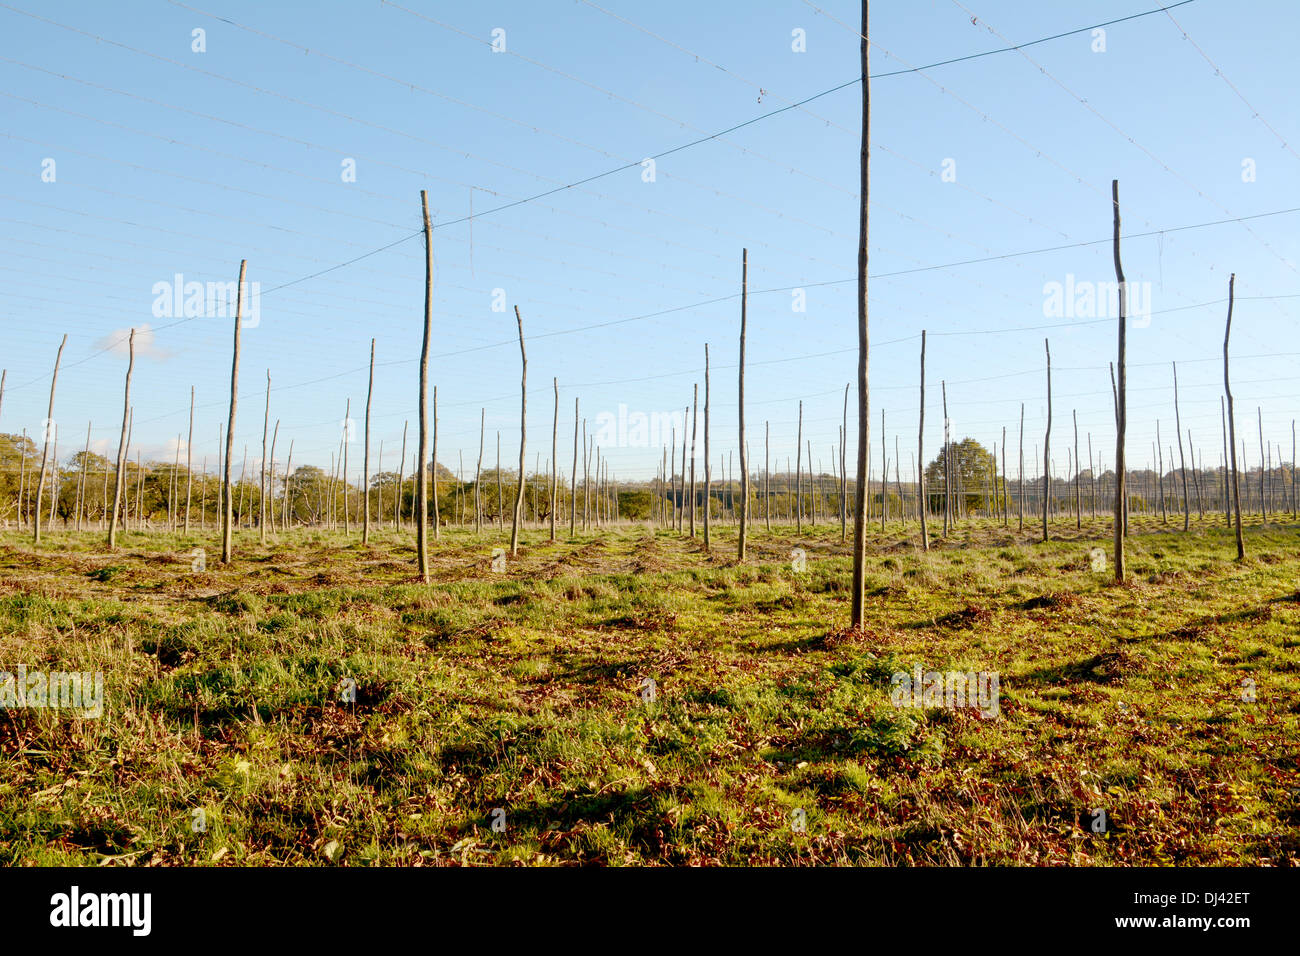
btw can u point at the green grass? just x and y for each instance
(522, 691)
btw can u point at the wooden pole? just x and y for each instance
(1232, 425)
(45, 451)
(555, 453)
(422, 473)
(227, 529)
(744, 450)
(286, 519)
(798, 474)
(1047, 440)
(864, 408)
(120, 475)
(401, 481)
(573, 481)
(270, 479)
(189, 463)
(947, 462)
(365, 454)
(1078, 492)
(261, 483)
(695, 415)
(1121, 396)
(523, 434)
(767, 475)
(844, 477)
(1182, 461)
(81, 485)
(1020, 493)
(478, 472)
(708, 464)
(923, 505)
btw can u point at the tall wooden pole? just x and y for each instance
(432, 468)
(573, 480)
(947, 462)
(1121, 396)
(189, 463)
(923, 506)
(767, 475)
(261, 484)
(555, 453)
(365, 456)
(1020, 478)
(864, 406)
(523, 435)
(82, 487)
(270, 479)
(1264, 504)
(695, 416)
(1232, 425)
(798, 474)
(1182, 461)
(844, 477)
(120, 475)
(401, 481)
(227, 517)
(744, 450)
(478, 472)
(884, 474)
(422, 473)
(708, 464)
(45, 451)
(1078, 492)
(1047, 440)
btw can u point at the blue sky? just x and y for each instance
(169, 160)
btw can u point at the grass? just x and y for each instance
(505, 717)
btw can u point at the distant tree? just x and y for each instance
(973, 470)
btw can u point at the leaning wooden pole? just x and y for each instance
(227, 516)
(422, 472)
(1121, 395)
(1232, 426)
(523, 435)
(120, 475)
(45, 451)
(864, 405)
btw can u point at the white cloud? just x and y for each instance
(117, 343)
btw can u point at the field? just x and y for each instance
(505, 715)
